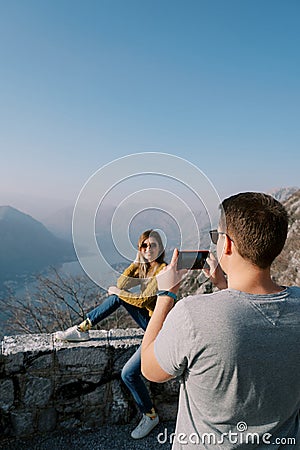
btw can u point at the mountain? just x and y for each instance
(286, 267)
(283, 193)
(177, 230)
(27, 246)
(60, 222)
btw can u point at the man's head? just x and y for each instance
(257, 224)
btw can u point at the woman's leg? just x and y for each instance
(80, 332)
(111, 304)
(106, 308)
(140, 315)
(131, 375)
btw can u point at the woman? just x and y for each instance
(149, 262)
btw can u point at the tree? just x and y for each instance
(55, 303)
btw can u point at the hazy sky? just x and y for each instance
(85, 82)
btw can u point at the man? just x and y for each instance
(236, 351)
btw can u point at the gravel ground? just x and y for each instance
(108, 437)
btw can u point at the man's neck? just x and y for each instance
(253, 280)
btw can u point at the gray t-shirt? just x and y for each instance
(237, 356)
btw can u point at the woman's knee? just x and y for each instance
(126, 377)
(115, 298)
(128, 374)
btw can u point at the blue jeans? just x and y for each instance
(131, 372)
(111, 304)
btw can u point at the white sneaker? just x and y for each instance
(72, 334)
(144, 427)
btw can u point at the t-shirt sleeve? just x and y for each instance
(171, 347)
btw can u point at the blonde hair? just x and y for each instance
(143, 265)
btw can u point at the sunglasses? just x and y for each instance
(150, 245)
(214, 235)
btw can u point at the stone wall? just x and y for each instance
(48, 385)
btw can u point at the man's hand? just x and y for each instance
(215, 273)
(169, 278)
(114, 290)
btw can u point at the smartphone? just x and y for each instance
(192, 259)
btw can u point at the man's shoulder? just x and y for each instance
(294, 291)
(205, 301)
(214, 296)
(228, 299)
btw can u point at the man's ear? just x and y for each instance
(227, 246)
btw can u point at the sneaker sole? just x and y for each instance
(58, 338)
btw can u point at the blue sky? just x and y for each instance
(85, 82)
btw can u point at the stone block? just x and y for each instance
(119, 410)
(20, 349)
(98, 397)
(83, 357)
(79, 362)
(5, 425)
(93, 377)
(47, 420)
(70, 424)
(2, 363)
(39, 363)
(93, 417)
(6, 394)
(68, 406)
(38, 391)
(22, 423)
(99, 336)
(125, 338)
(14, 363)
(26, 343)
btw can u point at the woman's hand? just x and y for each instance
(114, 290)
(215, 273)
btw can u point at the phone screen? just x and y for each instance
(192, 259)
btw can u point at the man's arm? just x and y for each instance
(167, 280)
(150, 366)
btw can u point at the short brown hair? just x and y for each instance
(257, 224)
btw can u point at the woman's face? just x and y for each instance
(150, 249)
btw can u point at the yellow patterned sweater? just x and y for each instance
(147, 296)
